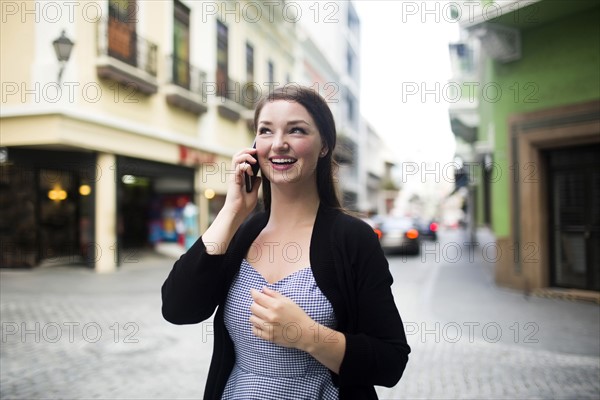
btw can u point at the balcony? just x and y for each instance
(126, 57)
(237, 99)
(186, 89)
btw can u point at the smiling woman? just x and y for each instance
(306, 115)
(288, 148)
(321, 324)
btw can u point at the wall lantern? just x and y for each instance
(57, 194)
(62, 47)
(85, 190)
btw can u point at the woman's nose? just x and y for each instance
(280, 142)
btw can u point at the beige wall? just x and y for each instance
(17, 41)
(58, 130)
(102, 98)
(119, 101)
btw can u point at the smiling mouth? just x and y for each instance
(283, 161)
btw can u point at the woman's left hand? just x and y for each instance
(278, 319)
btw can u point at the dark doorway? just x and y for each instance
(137, 193)
(574, 193)
(58, 213)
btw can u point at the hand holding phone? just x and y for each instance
(249, 180)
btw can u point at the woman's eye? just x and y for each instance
(263, 130)
(297, 130)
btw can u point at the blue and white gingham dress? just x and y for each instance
(264, 370)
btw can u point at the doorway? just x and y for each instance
(574, 199)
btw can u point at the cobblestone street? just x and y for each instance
(69, 333)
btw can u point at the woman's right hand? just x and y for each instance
(238, 201)
(238, 205)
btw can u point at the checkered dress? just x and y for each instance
(264, 370)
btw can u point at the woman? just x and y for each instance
(302, 290)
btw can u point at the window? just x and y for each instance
(351, 62)
(249, 63)
(271, 72)
(222, 58)
(181, 45)
(122, 38)
(353, 22)
(350, 111)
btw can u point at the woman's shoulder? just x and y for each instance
(354, 238)
(352, 226)
(250, 228)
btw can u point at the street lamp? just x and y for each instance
(62, 47)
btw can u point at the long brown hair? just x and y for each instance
(319, 110)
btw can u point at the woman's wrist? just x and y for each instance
(221, 231)
(326, 345)
(318, 336)
(233, 214)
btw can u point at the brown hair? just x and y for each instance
(320, 112)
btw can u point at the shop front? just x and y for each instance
(52, 202)
(151, 199)
(46, 207)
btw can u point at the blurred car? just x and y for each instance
(398, 235)
(427, 229)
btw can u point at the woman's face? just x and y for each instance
(288, 143)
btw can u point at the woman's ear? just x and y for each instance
(324, 151)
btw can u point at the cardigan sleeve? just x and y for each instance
(376, 350)
(192, 289)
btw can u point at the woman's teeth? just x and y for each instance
(283, 161)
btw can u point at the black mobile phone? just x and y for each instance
(250, 179)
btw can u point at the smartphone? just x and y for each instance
(250, 179)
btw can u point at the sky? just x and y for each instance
(405, 69)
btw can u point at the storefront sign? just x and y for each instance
(194, 157)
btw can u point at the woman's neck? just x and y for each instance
(293, 208)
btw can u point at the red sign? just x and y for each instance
(192, 157)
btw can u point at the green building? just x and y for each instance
(534, 129)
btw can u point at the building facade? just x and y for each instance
(376, 175)
(539, 109)
(335, 29)
(101, 154)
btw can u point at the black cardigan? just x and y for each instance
(349, 268)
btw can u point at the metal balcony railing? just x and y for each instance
(186, 76)
(230, 90)
(119, 40)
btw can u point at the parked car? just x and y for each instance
(398, 235)
(427, 229)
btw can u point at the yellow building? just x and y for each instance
(99, 154)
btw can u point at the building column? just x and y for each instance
(106, 214)
(203, 210)
(201, 201)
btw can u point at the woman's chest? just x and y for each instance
(276, 257)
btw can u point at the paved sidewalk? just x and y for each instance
(474, 340)
(68, 333)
